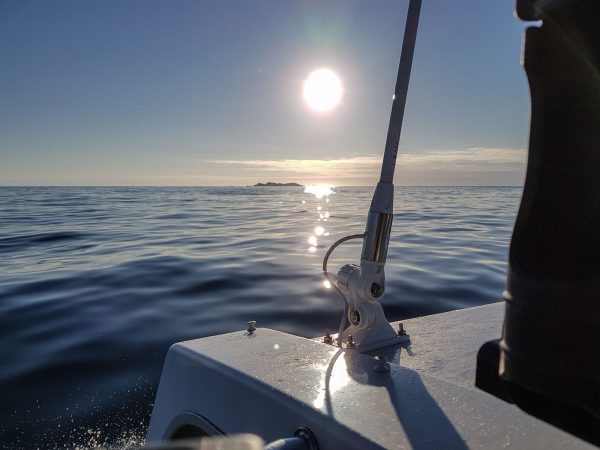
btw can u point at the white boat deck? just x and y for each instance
(445, 345)
(270, 383)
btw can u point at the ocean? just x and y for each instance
(97, 282)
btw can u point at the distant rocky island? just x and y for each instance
(270, 183)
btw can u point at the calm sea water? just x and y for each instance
(96, 283)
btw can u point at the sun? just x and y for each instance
(322, 90)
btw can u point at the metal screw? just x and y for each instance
(376, 290)
(355, 317)
(382, 364)
(350, 343)
(328, 339)
(401, 330)
(251, 326)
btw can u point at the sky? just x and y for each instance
(129, 92)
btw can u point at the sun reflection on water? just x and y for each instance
(320, 190)
(321, 193)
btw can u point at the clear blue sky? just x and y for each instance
(210, 93)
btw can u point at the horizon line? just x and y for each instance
(246, 185)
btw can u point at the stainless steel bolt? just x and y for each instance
(401, 330)
(350, 343)
(382, 365)
(376, 290)
(251, 326)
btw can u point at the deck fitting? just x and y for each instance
(401, 330)
(350, 343)
(328, 339)
(382, 365)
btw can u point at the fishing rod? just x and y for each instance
(362, 286)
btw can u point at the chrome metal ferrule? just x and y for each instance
(377, 236)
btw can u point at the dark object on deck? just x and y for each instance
(548, 361)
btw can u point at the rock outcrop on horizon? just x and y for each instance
(270, 183)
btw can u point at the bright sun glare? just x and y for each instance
(322, 90)
(319, 190)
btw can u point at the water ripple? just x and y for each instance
(97, 283)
